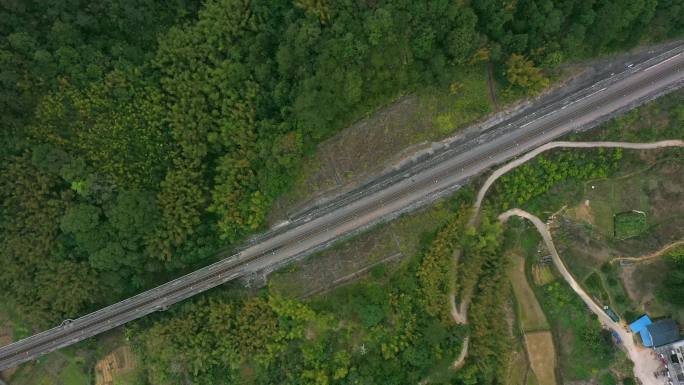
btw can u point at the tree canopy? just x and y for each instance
(142, 136)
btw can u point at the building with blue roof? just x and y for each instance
(655, 334)
(640, 326)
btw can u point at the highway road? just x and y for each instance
(576, 111)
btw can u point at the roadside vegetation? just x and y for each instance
(389, 328)
(393, 242)
(371, 144)
(541, 174)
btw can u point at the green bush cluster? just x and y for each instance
(590, 349)
(483, 276)
(672, 288)
(629, 224)
(538, 176)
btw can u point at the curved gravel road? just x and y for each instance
(645, 364)
(460, 315)
(551, 145)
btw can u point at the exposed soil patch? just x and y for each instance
(119, 361)
(582, 212)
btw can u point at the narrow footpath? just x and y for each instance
(651, 256)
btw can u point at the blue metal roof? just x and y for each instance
(640, 324)
(646, 337)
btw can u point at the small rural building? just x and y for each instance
(655, 334)
(672, 356)
(663, 336)
(639, 327)
(663, 332)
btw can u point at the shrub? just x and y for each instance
(607, 379)
(629, 224)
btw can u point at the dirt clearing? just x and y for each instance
(116, 364)
(374, 143)
(542, 356)
(532, 317)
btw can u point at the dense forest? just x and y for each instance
(140, 137)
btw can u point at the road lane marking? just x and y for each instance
(664, 61)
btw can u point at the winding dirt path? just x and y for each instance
(644, 363)
(654, 255)
(551, 145)
(460, 360)
(459, 313)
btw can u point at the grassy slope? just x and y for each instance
(402, 237)
(368, 146)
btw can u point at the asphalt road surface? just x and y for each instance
(589, 105)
